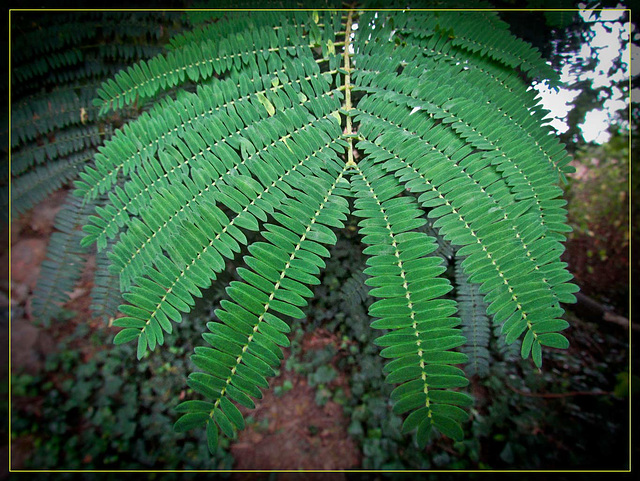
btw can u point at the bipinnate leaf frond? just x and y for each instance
(65, 260)
(476, 325)
(256, 134)
(423, 331)
(243, 344)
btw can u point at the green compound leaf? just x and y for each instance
(249, 141)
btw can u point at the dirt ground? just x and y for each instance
(314, 437)
(297, 434)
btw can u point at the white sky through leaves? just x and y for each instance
(610, 41)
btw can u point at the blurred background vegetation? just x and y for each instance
(80, 403)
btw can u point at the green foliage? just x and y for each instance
(475, 324)
(601, 188)
(263, 133)
(100, 413)
(105, 294)
(60, 272)
(517, 412)
(601, 229)
(505, 429)
(58, 60)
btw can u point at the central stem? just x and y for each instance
(347, 89)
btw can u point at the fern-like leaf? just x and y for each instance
(423, 333)
(62, 268)
(260, 125)
(475, 323)
(244, 343)
(215, 236)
